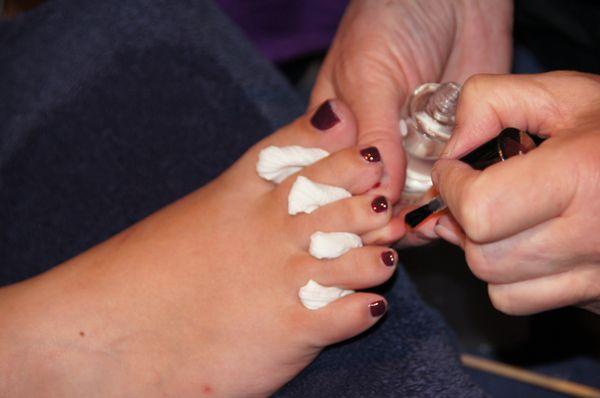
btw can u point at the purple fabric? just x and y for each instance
(284, 30)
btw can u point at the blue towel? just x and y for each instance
(111, 109)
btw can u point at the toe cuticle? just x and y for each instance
(388, 258)
(377, 308)
(379, 204)
(371, 154)
(325, 117)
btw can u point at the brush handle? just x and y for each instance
(416, 216)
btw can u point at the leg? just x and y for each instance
(114, 111)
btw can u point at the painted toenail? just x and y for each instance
(371, 154)
(388, 258)
(379, 204)
(377, 308)
(324, 118)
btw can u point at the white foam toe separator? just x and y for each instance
(332, 244)
(315, 296)
(307, 196)
(327, 245)
(278, 163)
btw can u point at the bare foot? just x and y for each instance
(201, 298)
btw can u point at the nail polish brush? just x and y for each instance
(510, 142)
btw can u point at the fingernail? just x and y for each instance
(324, 118)
(444, 221)
(443, 228)
(377, 308)
(423, 236)
(379, 204)
(371, 154)
(388, 258)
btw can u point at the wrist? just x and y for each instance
(484, 36)
(493, 19)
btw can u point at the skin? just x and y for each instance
(202, 290)
(385, 49)
(528, 225)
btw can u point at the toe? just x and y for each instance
(346, 318)
(358, 214)
(359, 268)
(392, 154)
(356, 170)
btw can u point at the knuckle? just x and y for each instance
(479, 263)
(475, 86)
(572, 78)
(584, 288)
(474, 214)
(502, 300)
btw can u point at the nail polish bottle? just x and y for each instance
(431, 112)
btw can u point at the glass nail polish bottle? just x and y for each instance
(431, 118)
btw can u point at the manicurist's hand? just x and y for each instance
(385, 49)
(528, 225)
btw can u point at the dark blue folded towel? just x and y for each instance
(111, 109)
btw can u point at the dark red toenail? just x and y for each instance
(377, 308)
(388, 258)
(371, 154)
(379, 204)
(324, 118)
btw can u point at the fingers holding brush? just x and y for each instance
(507, 197)
(527, 224)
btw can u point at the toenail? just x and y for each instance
(379, 204)
(388, 258)
(324, 118)
(371, 154)
(377, 308)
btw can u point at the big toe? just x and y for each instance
(331, 126)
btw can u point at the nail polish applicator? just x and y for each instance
(510, 142)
